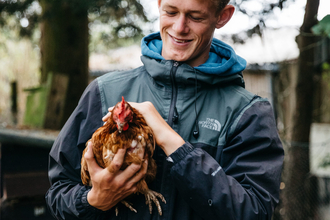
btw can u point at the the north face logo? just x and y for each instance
(210, 123)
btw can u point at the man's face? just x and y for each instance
(186, 28)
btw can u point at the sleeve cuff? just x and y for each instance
(83, 207)
(181, 152)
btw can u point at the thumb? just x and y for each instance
(107, 116)
(90, 160)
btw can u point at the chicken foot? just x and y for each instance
(127, 205)
(152, 196)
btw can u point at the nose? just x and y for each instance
(180, 25)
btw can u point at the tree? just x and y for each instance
(299, 199)
(64, 43)
(299, 190)
(260, 16)
(64, 57)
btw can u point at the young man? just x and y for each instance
(218, 155)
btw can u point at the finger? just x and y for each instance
(143, 107)
(117, 161)
(142, 172)
(129, 172)
(106, 117)
(93, 167)
(136, 105)
(149, 112)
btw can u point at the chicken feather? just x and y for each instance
(126, 128)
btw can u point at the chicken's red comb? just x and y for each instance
(122, 102)
(122, 108)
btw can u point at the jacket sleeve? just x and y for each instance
(244, 183)
(67, 197)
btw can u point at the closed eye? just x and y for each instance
(196, 18)
(170, 12)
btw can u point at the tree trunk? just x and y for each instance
(64, 55)
(300, 191)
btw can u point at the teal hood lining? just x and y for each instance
(222, 58)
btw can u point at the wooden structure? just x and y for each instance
(259, 79)
(23, 173)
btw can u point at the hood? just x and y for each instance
(222, 61)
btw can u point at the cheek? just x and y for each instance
(166, 21)
(163, 25)
(205, 36)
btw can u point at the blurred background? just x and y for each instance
(51, 50)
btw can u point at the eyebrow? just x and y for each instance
(189, 11)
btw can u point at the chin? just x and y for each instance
(180, 57)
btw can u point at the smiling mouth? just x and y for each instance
(179, 40)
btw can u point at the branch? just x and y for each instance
(310, 18)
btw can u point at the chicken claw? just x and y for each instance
(128, 205)
(152, 195)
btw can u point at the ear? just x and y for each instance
(159, 2)
(224, 16)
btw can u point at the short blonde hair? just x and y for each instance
(220, 4)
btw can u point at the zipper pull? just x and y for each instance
(175, 118)
(176, 63)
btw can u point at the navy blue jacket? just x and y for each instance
(232, 170)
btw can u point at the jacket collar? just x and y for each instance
(222, 61)
(160, 71)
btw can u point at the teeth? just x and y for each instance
(179, 41)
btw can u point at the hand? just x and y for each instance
(110, 188)
(165, 136)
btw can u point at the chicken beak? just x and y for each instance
(120, 127)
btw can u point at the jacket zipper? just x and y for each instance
(173, 113)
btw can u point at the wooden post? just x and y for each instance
(14, 109)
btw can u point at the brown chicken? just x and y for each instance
(126, 128)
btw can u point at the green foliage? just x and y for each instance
(108, 36)
(260, 16)
(125, 17)
(325, 161)
(115, 23)
(14, 51)
(326, 67)
(326, 73)
(35, 106)
(19, 61)
(323, 27)
(26, 11)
